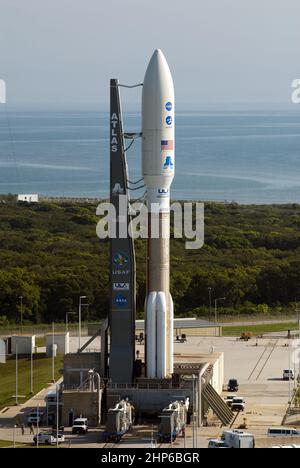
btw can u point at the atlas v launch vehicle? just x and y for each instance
(158, 166)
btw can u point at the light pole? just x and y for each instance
(216, 307)
(57, 413)
(290, 386)
(31, 372)
(37, 425)
(194, 404)
(209, 297)
(14, 436)
(53, 355)
(298, 318)
(67, 320)
(21, 303)
(17, 380)
(93, 373)
(79, 320)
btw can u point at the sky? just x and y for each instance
(62, 53)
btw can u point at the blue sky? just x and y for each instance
(63, 52)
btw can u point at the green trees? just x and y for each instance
(50, 255)
(14, 283)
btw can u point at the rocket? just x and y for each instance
(158, 168)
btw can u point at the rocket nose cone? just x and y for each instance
(157, 57)
(157, 68)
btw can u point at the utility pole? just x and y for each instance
(209, 297)
(21, 301)
(31, 372)
(57, 414)
(216, 305)
(17, 380)
(53, 358)
(79, 320)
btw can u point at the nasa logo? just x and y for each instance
(121, 286)
(169, 120)
(168, 106)
(168, 164)
(120, 259)
(121, 300)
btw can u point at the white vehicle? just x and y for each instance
(288, 374)
(217, 444)
(286, 446)
(283, 432)
(238, 439)
(238, 404)
(228, 400)
(80, 426)
(48, 438)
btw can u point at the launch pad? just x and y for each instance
(153, 379)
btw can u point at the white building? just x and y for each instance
(2, 352)
(61, 340)
(24, 343)
(28, 198)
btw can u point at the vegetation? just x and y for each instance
(260, 329)
(42, 375)
(50, 255)
(10, 444)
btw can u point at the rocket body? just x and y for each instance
(158, 168)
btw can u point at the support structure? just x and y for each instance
(122, 257)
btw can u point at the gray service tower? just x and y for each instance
(122, 257)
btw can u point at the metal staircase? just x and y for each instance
(218, 405)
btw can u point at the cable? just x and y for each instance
(130, 145)
(130, 87)
(137, 188)
(137, 182)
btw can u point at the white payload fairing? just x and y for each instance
(158, 167)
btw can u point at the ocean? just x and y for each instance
(242, 156)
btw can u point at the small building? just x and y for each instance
(82, 394)
(189, 327)
(28, 198)
(24, 344)
(3, 351)
(61, 342)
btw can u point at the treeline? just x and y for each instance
(50, 255)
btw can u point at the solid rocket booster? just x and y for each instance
(158, 166)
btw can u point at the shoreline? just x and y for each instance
(10, 197)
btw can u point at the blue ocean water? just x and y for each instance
(247, 157)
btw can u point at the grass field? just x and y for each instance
(42, 375)
(260, 329)
(8, 444)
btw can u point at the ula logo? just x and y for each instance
(121, 286)
(169, 120)
(163, 192)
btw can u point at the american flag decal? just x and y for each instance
(167, 145)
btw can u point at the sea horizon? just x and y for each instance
(244, 156)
